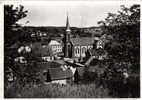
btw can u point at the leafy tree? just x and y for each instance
(124, 48)
(125, 29)
(11, 28)
(12, 32)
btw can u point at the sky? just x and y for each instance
(81, 14)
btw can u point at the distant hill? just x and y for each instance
(59, 31)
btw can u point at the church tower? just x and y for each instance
(67, 44)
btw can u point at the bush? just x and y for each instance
(118, 85)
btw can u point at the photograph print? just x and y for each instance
(71, 49)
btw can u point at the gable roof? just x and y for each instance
(47, 65)
(59, 73)
(54, 42)
(56, 70)
(83, 41)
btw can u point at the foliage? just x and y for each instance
(124, 48)
(27, 73)
(126, 16)
(39, 51)
(12, 32)
(95, 71)
(125, 29)
(118, 85)
(11, 28)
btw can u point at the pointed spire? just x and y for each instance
(67, 24)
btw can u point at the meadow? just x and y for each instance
(57, 91)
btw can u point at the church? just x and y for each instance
(76, 47)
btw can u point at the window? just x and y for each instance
(83, 50)
(77, 50)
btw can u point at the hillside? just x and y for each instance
(59, 31)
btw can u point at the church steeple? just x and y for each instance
(67, 45)
(67, 24)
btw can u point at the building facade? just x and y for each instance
(56, 46)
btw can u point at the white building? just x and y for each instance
(56, 46)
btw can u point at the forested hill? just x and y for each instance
(58, 31)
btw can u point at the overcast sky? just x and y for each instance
(81, 14)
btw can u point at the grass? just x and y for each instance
(58, 91)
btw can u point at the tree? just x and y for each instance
(12, 32)
(125, 29)
(124, 48)
(11, 28)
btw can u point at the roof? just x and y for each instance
(83, 41)
(54, 42)
(61, 62)
(60, 73)
(56, 70)
(47, 65)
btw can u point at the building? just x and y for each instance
(76, 47)
(56, 71)
(39, 34)
(56, 46)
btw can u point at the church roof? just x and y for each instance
(82, 41)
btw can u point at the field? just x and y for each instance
(57, 91)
